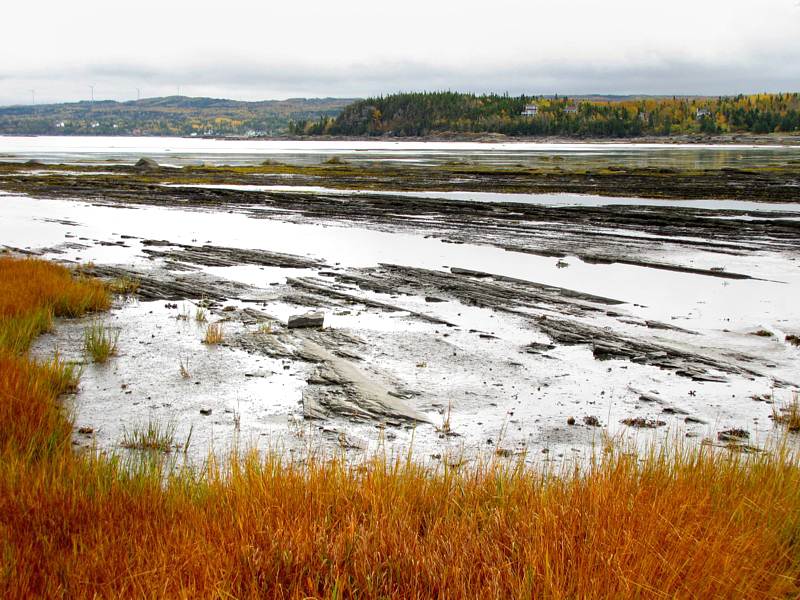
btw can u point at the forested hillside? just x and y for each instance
(173, 115)
(414, 115)
(421, 114)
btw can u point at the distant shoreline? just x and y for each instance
(730, 139)
(747, 139)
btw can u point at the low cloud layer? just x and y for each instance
(356, 48)
(256, 82)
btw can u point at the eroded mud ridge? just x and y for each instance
(340, 383)
(557, 312)
(345, 380)
(166, 284)
(215, 256)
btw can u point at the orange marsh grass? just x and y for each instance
(30, 284)
(32, 292)
(698, 522)
(706, 524)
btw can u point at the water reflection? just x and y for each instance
(187, 151)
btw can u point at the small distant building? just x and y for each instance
(572, 109)
(531, 110)
(702, 112)
(60, 124)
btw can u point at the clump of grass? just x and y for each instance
(124, 286)
(793, 339)
(788, 415)
(763, 333)
(100, 341)
(214, 334)
(151, 437)
(201, 315)
(264, 328)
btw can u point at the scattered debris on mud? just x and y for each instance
(643, 422)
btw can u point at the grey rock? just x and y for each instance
(146, 163)
(309, 319)
(469, 272)
(691, 419)
(538, 347)
(645, 397)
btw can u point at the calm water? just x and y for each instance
(184, 151)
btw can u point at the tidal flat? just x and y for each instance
(469, 307)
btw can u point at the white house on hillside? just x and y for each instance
(531, 110)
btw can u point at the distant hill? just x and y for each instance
(172, 115)
(436, 113)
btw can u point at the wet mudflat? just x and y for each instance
(540, 324)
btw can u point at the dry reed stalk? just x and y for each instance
(184, 367)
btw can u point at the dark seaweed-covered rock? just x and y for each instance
(146, 164)
(733, 435)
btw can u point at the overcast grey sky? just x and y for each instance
(265, 50)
